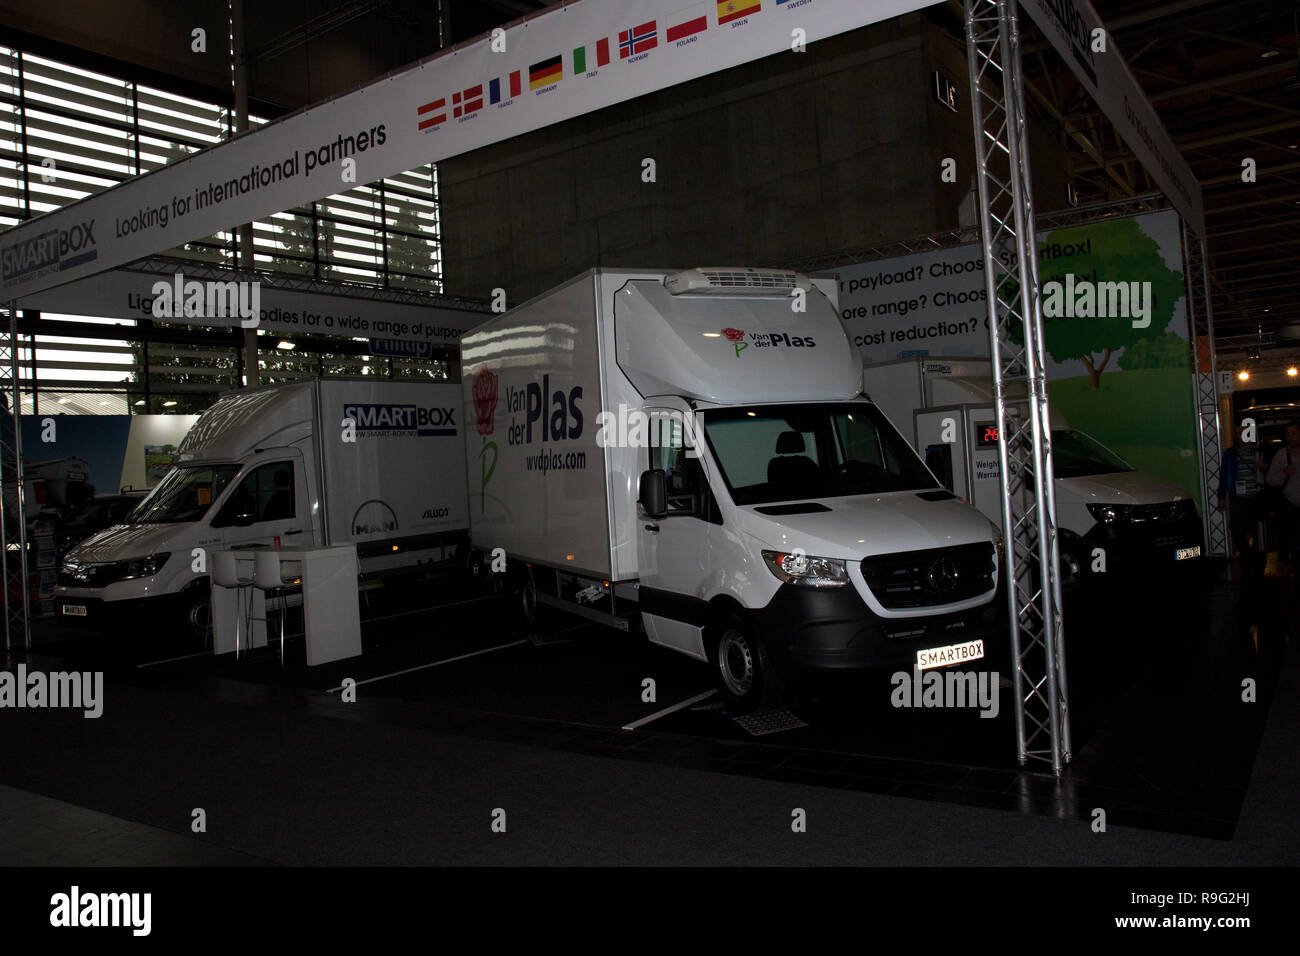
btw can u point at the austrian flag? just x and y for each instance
(637, 40)
(433, 113)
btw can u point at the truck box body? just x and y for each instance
(734, 398)
(377, 462)
(538, 379)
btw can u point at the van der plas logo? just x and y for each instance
(484, 390)
(766, 340)
(51, 251)
(391, 419)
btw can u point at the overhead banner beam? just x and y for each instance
(1077, 33)
(561, 63)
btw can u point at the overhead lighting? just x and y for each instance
(1243, 376)
(286, 345)
(1268, 54)
(63, 401)
(168, 404)
(1293, 371)
(141, 402)
(102, 404)
(711, 335)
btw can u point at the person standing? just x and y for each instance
(1284, 473)
(1239, 485)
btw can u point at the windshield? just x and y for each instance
(770, 453)
(1075, 455)
(185, 494)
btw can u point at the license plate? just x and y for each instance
(74, 610)
(951, 654)
(1182, 554)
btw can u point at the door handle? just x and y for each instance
(652, 528)
(294, 531)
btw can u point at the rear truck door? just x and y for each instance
(672, 552)
(268, 501)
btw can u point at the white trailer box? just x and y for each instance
(378, 462)
(797, 531)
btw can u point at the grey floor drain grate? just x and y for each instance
(772, 721)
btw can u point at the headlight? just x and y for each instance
(145, 567)
(1108, 514)
(806, 570)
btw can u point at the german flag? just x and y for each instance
(729, 10)
(545, 73)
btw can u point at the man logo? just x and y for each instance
(374, 517)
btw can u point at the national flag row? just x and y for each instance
(631, 42)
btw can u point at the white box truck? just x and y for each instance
(945, 408)
(378, 462)
(691, 451)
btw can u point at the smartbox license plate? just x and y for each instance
(1182, 554)
(952, 654)
(74, 610)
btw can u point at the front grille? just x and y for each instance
(930, 577)
(86, 575)
(774, 281)
(1165, 512)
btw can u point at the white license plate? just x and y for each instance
(1182, 554)
(952, 654)
(74, 610)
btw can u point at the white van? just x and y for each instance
(945, 406)
(691, 451)
(375, 461)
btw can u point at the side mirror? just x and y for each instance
(652, 493)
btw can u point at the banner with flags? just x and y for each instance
(481, 92)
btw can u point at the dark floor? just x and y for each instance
(285, 771)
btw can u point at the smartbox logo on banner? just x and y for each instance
(49, 252)
(394, 419)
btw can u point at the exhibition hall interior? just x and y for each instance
(649, 433)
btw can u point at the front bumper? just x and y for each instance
(809, 631)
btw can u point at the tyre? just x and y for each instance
(1074, 572)
(521, 593)
(743, 669)
(195, 614)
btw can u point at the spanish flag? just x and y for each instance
(545, 73)
(729, 10)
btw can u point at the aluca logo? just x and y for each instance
(51, 251)
(766, 340)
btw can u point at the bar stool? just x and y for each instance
(225, 573)
(268, 576)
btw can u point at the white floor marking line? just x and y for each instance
(183, 657)
(669, 710)
(449, 660)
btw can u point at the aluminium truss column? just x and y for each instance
(1031, 564)
(1200, 319)
(13, 523)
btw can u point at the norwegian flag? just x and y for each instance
(637, 40)
(464, 103)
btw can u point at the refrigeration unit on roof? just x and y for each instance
(723, 281)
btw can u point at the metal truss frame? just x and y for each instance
(13, 523)
(1030, 551)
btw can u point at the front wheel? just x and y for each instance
(743, 669)
(196, 614)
